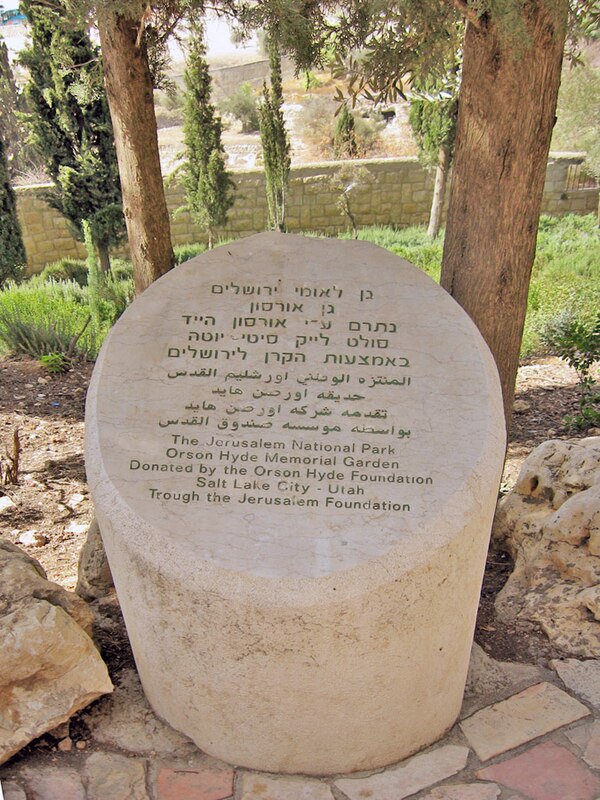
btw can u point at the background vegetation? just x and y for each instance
(43, 314)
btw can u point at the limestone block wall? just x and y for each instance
(398, 193)
(559, 198)
(226, 80)
(46, 233)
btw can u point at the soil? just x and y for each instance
(52, 500)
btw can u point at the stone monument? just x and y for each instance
(294, 447)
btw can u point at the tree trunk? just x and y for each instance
(103, 258)
(506, 115)
(439, 192)
(130, 98)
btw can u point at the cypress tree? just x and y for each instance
(69, 124)
(274, 139)
(208, 185)
(344, 137)
(10, 126)
(433, 115)
(12, 251)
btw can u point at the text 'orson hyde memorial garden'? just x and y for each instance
(294, 447)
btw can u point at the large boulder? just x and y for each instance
(49, 666)
(550, 524)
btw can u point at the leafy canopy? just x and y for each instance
(208, 185)
(69, 123)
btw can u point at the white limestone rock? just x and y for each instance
(489, 680)
(6, 504)
(33, 538)
(126, 721)
(49, 666)
(23, 577)
(94, 579)
(550, 523)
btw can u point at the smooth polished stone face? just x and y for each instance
(293, 407)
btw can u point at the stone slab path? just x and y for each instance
(526, 733)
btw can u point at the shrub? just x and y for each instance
(367, 130)
(565, 276)
(12, 250)
(65, 269)
(565, 273)
(55, 363)
(242, 105)
(345, 144)
(310, 80)
(413, 244)
(38, 318)
(327, 136)
(315, 122)
(114, 296)
(183, 252)
(578, 343)
(122, 270)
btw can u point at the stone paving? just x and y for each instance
(526, 733)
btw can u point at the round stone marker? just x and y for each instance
(294, 446)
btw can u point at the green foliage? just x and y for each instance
(12, 250)
(121, 270)
(344, 136)
(379, 47)
(274, 139)
(55, 363)
(10, 126)
(565, 273)
(578, 115)
(69, 123)
(183, 252)
(578, 343)
(310, 80)
(208, 185)
(44, 316)
(40, 318)
(367, 128)
(413, 244)
(116, 289)
(433, 115)
(242, 105)
(317, 122)
(65, 269)
(95, 278)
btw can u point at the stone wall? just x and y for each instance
(226, 80)
(399, 193)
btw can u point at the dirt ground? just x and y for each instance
(53, 508)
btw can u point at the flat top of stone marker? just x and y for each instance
(289, 406)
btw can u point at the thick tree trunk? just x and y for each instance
(506, 115)
(439, 192)
(129, 91)
(103, 258)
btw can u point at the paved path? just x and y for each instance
(525, 733)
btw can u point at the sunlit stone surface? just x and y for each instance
(294, 447)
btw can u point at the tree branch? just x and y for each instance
(465, 10)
